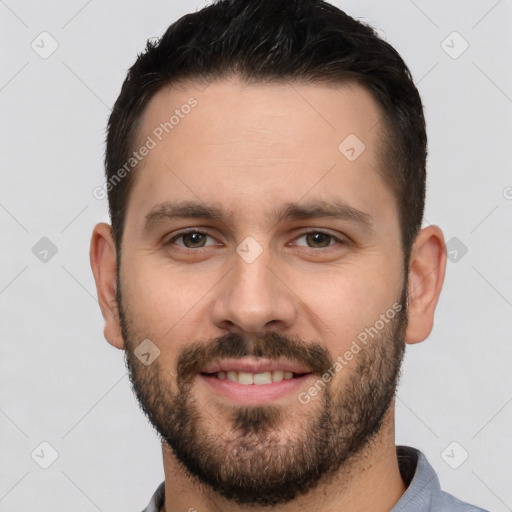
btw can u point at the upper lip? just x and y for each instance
(254, 365)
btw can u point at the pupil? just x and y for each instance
(317, 238)
(195, 237)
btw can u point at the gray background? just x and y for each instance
(63, 384)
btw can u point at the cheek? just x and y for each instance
(347, 301)
(160, 298)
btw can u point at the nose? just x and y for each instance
(254, 296)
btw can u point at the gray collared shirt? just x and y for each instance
(423, 493)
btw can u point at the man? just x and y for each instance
(266, 264)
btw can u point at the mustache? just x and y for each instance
(272, 345)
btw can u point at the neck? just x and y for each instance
(370, 482)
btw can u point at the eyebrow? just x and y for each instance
(336, 209)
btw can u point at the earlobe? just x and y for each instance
(104, 267)
(427, 267)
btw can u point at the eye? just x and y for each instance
(193, 239)
(320, 239)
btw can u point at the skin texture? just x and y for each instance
(252, 149)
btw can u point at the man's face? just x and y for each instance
(261, 293)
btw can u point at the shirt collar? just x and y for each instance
(420, 478)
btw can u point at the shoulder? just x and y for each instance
(445, 502)
(424, 493)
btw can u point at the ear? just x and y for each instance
(426, 276)
(103, 263)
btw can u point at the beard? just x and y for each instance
(266, 456)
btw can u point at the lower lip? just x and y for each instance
(254, 394)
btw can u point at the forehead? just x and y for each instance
(284, 112)
(249, 145)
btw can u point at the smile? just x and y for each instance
(253, 381)
(249, 378)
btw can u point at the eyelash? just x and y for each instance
(304, 233)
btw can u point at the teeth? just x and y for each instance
(261, 378)
(245, 378)
(255, 378)
(277, 376)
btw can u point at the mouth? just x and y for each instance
(251, 381)
(258, 379)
